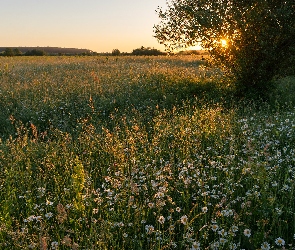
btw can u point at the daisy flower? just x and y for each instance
(161, 219)
(171, 228)
(49, 203)
(204, 209)
(234, 229)
(215, 245)
(214, 227)
(222, 232)
(247, 232)
(149, 229)
(265, 246)
(183, 219)
(222, 241)
(280, 242)
(49, 215)
(195, 246)
(54, 245)
(233, 246)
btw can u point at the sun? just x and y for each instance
(223, 42)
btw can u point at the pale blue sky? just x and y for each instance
(99, 25)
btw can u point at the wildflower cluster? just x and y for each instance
(100, 164)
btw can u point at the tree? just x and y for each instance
(8, 52)
(116, 52)
(142, 51)
(253, 40)
(17, 52)
(35, 52)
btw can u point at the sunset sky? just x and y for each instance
(98, 25)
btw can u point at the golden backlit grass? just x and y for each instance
(141, 153)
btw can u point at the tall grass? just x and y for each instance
(141, 153)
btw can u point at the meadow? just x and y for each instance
(142, 153)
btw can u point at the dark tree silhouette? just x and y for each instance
(35, 52)
(8, 52)
(116, 52)
(142, 51)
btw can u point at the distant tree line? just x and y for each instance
(35, 52)
(54, 51)
(17, 52)
(148, 51)
(41, 51)
(142, 51)
(11, 52)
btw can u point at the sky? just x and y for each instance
(98, 25)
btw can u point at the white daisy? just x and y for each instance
(247, 232)
(265, 246)
(161, 219)
(279, 241)
(184, 219)
(204, 209)
(214, 227)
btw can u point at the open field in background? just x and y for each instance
(141, 153)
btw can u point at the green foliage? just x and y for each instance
(259, 36)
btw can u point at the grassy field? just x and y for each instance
(142, 153)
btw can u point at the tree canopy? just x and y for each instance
(253, 39)
(8, 52)
(116, 52)
(35, 52)
(143, 51)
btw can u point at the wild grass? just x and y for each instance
(141, 153)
